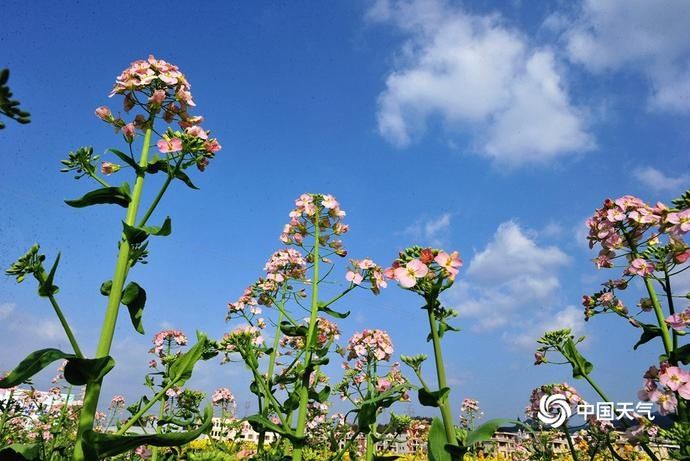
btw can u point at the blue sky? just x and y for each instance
(493, 128)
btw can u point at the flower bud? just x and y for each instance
(108, 168)
(104, 114)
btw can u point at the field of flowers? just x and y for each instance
(285, 353)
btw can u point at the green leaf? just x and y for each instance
(366, 417)
(21, 452)
(84, 371)
(649, 332)
(106, 195)
(47, 288)
(162, 165)
(581, 366)
(289, 329)
(125, 158)
(433, 399)
(32, 364)
(103, 445)
(136, 235)
(183, 366)
(682, 354)
(486, 430)
(332, 313)
(134, 297)
(321, 396)
(261, 422)
(437, 442)
(182, 176)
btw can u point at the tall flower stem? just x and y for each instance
(309, 341)
(269, 374)
(569, 439)
(93, 390)
(444, 405)
(63, 321)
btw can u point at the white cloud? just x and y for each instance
(638, 35)
(6, 310)
(528, 333)
(658, 181)
(432, 231)
(510, 275)
(477, 74)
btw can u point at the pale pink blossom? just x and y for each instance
(171, 145)
(104, 113)
(128, 131)
(449, 262)
(407, 276)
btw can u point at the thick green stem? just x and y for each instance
(446, 412)
(661, 320)
(309, 342)
(41, 277)
(93, 390)
(571, 447)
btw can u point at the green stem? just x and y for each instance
(669, 300)
(309, 340)
(570, 443)
(5, 415)
(161, 413)
(130, 422)
(155, 202)
(99, 180)
(658, 311)
(269, 373)
(41, 277)
(446, 412)
(61, 420)
(93, 390)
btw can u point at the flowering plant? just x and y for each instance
(10, 107)
(154, 91)
(292, 385)
(645, 243)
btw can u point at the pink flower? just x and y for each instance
(104, 113)
(172, 145)
(128, 131)
(666, 400)
(680, 320)
(197, 131)
(407, 276)
(382, 385)
(673, 378)
(449, 262)
(684, 391)
(640, 267)
(353, 277)
(108, 168)
(212, 146)
(157, 98)
(329, 202)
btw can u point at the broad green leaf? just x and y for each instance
(84, 371)
(581, 366)
(106, 195)
(366, 417)
(487, 430)
(321, 396)
(261, 422)
(126, 158)
(47, 288)
(32, 364)
(21, 452)
(432, 399)
(682, 354)
(183, 366)
(162, 165)
(134, 297)
(289, 329)
(437, 442)
(102, 445)
(136, 235)
(649, 332)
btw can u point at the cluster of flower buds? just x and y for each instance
(393, 378)
(117, 403)
(241, 338)
(165, 341)
(366, 271)
(326, 333)
(421, 269)
(661, 385)
(470, 406)
(571, 396)
(156, 86)
(312, 209)
(606, 300)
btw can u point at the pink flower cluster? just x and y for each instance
(416, 264)
(370, 345)
(303, 219)
(166, 339)
(606, 299)
(571, 395)
(222, 397)
(622, 223)
(469, 405)
(283, 265)
(662, 384)
(680, 320)
(393, 378)
(365, 270)
(117, 403)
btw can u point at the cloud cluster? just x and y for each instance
(476, 73)
(658, 181)
(513, 279)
